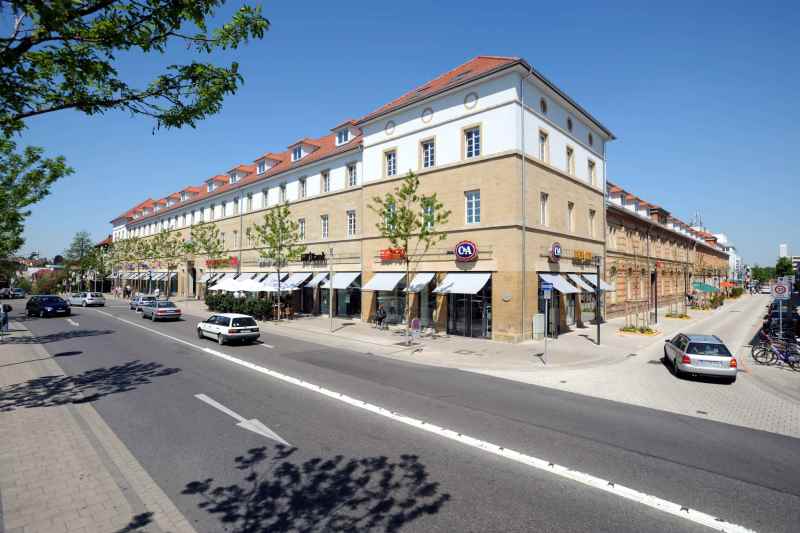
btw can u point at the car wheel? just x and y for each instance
(220, 339)
(731, 381)
(200, 333)
(677, 371)
(83, 303)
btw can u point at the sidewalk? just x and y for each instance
(577, 348)
(62, 469)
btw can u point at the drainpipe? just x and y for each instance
(523, 196)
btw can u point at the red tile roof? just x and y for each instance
(471, 70)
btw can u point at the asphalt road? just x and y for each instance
(349, 469)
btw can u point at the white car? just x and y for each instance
(86, 299)
(226, 327)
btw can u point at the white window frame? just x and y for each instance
(343, 136)
(352, 175)
(325, 178)
(297, 153)
(324, 226)
(282, 193)
(352, 223)
(390, 160)
(591, 168)
(570, 156)
(301, 228)
(262, 167)
(428, 153)
(302, 187)
(544, 209)
(472, 206)
(592, 219)
(472, 142)
(571, 217)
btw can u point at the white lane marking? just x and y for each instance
(589, 480)
(269, 346)
(253, 424)
(107, 314)
(72, 322)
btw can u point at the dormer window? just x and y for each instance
(262, 167)
(211, 186)
(234, 177)
(342, 136)
(297, 153)
(184, 196)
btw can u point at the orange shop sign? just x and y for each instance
(392, 254)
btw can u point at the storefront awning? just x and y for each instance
(577, 280)
(383, 281)
(559, 283)
(136, 275)
(316, 280)
(704, 287)
(592, 278)
(463, 283)
(158, 276)
(297, 278)
(225, 275)
(342, 280)
(247, 275)
(207, 277)
(420, 281)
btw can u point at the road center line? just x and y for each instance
(268, 346)
(589, 480)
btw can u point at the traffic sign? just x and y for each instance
(780, 291)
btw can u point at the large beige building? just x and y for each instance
(520, 165)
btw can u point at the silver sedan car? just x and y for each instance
(700, 354)
(87, 299)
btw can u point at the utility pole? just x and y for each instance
(330, 285)
(597, 300)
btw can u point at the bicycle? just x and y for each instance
(778, 351)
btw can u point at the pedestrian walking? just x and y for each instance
(5, 309)
(380, 316)
(157, 293)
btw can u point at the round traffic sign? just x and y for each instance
(780, 289)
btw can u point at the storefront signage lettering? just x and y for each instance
(392, 254)
(225, 261)
(582, 256)
(555, 252)
(311, 257)
(466, 251)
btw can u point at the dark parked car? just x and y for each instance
(47, 305)
(17, 292)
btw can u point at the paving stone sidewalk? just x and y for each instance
(62, 469)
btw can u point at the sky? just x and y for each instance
(702, 97)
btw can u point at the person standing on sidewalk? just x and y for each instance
(4, 310)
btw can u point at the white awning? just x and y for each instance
(158, 276)
(420, 281)
(207, 276)
(136, 275)
(463, 283)
(272, 278)
(247, 275)
(342, 280)
(383, 281)
(316, 280)
(577, 280)
(592, 278)
(559, 283)
(297, 278)
(226, 275)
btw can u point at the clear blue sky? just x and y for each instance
(701, 95)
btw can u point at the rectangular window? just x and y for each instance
(248, 205)
(301, 228)
(303, 190)
(297, 153)
(236, 206)
(472, 142)
(592, 173)
(544, 147)
(427, 215)
(262, 167)
(352, 178)
(570, 217)
(570, 161)
(544, 209)
(342, 136)
(428, 154)
(326, 181)
(391, 163)
(222, 239)
(282, 193)
(473, 206)
(323, 222)
(249, 240)
(592, 231)
(351, 223)
(264, 198)
(235, 240)
(213, 211)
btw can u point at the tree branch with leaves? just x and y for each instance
(169, 247)
(410, 221)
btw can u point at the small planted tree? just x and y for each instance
(204, 240)
(277, 240)
(100, 264)
(410, 221)
(79, 253)
(169, 247)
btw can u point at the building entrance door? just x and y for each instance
(192, 281)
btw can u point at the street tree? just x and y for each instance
(78, 255)
(410, 221)
(784, 267)
(25, 178)
(277, 240)
(204, 240)
(168, 248)
(63, 55)
(99, 262)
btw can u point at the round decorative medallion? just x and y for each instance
(389, 129)
(427, 114)
(471, 100)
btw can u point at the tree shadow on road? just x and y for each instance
(85, 387)
(137, 523)
(321, 494)
(60, 336)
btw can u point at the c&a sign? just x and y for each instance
(225, 261)
(392, 254)
(466, 251)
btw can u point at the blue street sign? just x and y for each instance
(547, 286)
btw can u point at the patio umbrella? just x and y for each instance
(249, 285)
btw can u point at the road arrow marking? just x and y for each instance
(253, 424)
(72, 322)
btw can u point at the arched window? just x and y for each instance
(543, 105)
(569, 123)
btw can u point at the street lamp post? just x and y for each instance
(330, 285)
(597, 299)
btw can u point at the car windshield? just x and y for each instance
(243, 322)
(148, 298)
(708, 348)
(52, 300)
(96, 295)
(166, 304)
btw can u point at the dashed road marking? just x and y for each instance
(72, 322)
(588, 480)
(269, 346)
